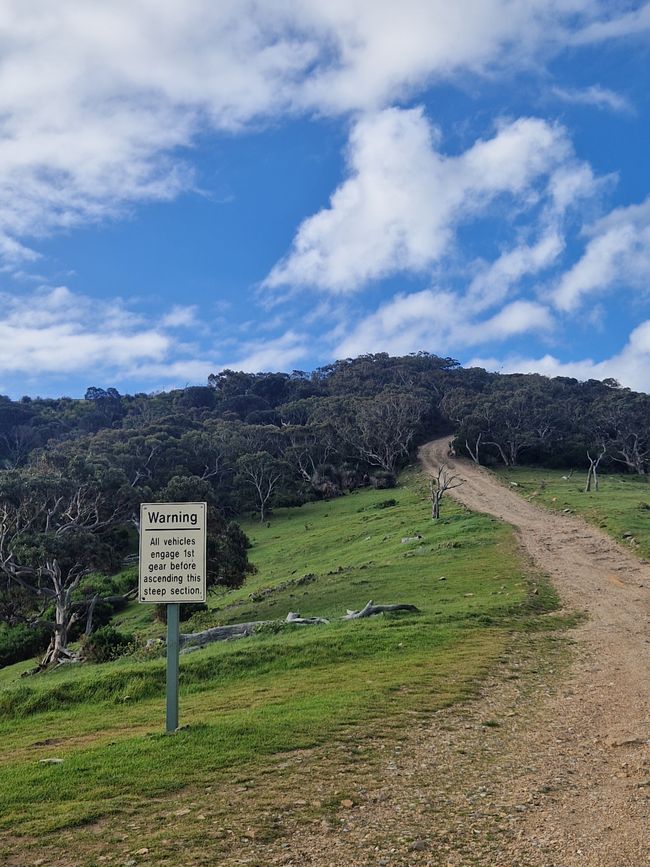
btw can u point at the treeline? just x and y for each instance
(73, 472)
(350, 423)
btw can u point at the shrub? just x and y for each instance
(385, 504)
(107, 643)
(381, 479)
(187, 611)
(21, 642)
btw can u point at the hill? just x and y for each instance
(75, 471)
(283, 690)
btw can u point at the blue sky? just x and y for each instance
(274, 185)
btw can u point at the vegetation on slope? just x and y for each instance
(247, 700)
(73, 472)
(621, 506)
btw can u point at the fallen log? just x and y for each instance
(369, 610)
(295, 618)
(193, 640)
(221, 633)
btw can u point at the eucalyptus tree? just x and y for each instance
(55, 528)
(380, 430)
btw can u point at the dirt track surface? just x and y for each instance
(591, 754)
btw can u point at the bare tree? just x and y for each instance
(18, 441)
(592, 475)
(263, 472)
(381, 429)
(309, 448)
(49, 542)
(444, 480)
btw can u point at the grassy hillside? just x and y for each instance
(281, 690)
(621, 507)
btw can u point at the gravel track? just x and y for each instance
(593, 746)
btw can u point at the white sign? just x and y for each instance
(172, 552)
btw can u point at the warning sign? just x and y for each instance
(172, 552)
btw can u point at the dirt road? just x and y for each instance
(591, 755)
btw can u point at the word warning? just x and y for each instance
(172, 552)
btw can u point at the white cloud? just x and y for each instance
(631, 366)
(279, 353)
(180, 316)
(99, 101)
(54, 331)
(633, 24)
(440, 321)
(398, 209)
(618, 253)
(599, 97)
(172, 374)
(493, 282)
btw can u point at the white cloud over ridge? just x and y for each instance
(403, 199)
(440, 321)
(97, 99)
(53, 333)
(56, 331)
(630, 366)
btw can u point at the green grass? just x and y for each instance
(248, 700)
(621, 507)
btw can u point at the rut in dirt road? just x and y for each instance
(594, 748)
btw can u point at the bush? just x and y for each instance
(108, 643)
(186, 612)
(381, 479)
(385, 504)
(21, 642)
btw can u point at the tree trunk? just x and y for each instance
(474, 455)
(64, 617)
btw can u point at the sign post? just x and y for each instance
(172, 570)
(173, 637)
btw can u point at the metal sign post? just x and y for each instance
(173, 635)
(172, 570)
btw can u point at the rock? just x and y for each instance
(183, 812)
(143, 851)
(346, 802)
(407, 539)
(419, 846)
(442, 578)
